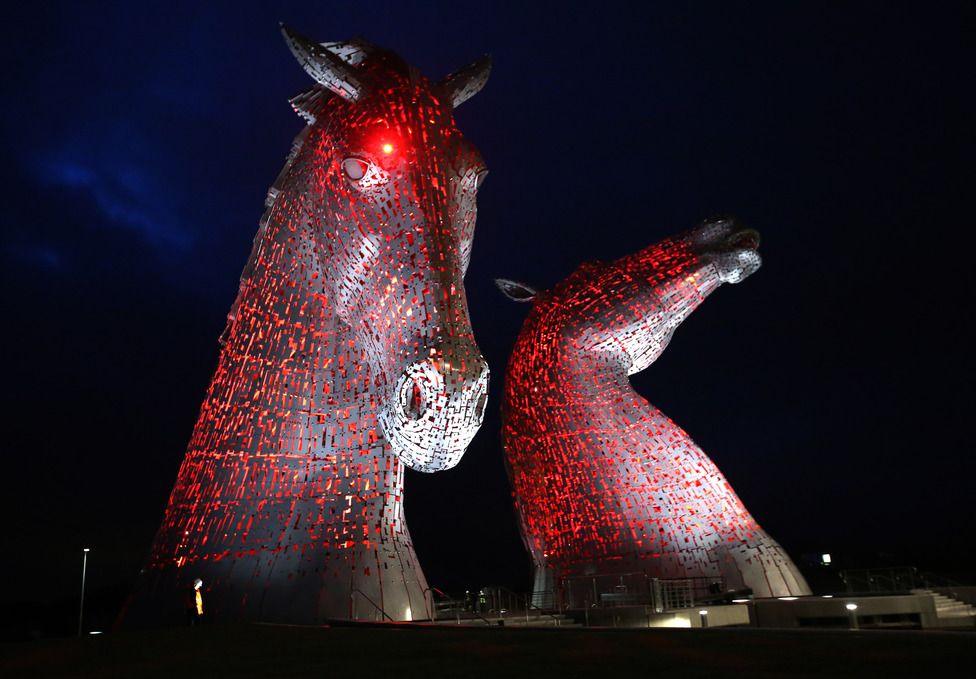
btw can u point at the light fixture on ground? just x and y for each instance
(852, 610)
(703, 614)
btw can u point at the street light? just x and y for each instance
(81, 606)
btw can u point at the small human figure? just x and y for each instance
(193, 603)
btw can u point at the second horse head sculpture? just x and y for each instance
(606, 484)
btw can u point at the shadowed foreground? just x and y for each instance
(263, 651)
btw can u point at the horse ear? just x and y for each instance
(353, 52)
(468, 81)
(327, 68)
(515, 291)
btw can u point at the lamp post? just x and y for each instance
(81, 606)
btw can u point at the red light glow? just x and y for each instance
(606, 484)
(328, 385)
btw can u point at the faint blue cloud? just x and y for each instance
(124, 190)
(43, 256)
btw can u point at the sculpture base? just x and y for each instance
(359, 583)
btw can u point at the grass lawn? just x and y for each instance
(399, 651)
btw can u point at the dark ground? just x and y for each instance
(278, 651)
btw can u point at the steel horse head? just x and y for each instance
(348, 355)
(606, 485)
(395, 187)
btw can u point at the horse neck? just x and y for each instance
(313, 377)
(584, 393)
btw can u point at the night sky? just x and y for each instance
(831, 388)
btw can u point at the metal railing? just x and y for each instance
(495, 605)
(456, 606)
(447, 604)
(891, 580)
(352, 604)
(638, 589)
(504, 602)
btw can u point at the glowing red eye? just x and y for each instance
(387, 148)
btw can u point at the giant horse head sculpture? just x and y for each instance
(348, 354)
(390, 215)
(605, 484)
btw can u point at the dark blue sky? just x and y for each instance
(831, 388)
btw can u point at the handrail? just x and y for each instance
(638, 587)
(432, 608)
(352, 601)
(935, 580)
(893, 578)
(434, 590)
(457, 612)
(486, 620)
(527, 598)
(886, 579)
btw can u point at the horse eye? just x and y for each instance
(355, 168)
(481, 178)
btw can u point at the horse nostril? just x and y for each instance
(415, 404)
(479, 408)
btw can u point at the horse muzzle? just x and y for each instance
(437, 407)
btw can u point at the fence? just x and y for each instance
(581, 592)
(891, 580)
(636, 589)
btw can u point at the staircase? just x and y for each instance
(951, 611)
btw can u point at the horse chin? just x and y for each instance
(425, 449)
(735, 266)
(429, 420)
(437, 439)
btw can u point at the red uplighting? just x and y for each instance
(289, 501)
(604, 482)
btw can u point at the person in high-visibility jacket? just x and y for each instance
(193, 603)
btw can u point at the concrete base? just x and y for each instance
(644, 616)
(906, 611)
(916, 610)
